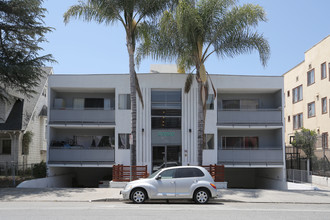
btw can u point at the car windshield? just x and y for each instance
(154, 174)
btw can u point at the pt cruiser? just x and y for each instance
(181, 182)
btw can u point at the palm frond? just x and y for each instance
(189, 82)
(138, 89)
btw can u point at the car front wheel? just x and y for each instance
(201, 196)
(139, 196)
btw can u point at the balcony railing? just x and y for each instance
(82, 116)
(250, 117)
(82, 156)
(264, 156)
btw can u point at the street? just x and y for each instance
(161, 210)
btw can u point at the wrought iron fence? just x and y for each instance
(10, 169)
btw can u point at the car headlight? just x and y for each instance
(128, 186)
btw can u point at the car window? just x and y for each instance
(188, 172)
(168, 174)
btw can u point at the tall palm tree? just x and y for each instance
(195, 30)
(129, 13)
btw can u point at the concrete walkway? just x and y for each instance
(112, 194)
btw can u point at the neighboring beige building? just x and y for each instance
(307, 96)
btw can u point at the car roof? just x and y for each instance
(176, 167)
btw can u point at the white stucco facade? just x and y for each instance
(168, 138)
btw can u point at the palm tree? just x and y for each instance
(193, 31)
(129, 13)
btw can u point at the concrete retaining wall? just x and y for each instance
(320, 180)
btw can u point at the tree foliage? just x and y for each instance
(21, 31)
(305, 140)
(193, 31)
(131, 14)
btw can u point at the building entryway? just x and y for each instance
(166, 156)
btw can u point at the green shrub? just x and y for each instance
(39, 170)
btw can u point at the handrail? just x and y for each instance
(258, 109)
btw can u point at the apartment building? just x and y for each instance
(90, 121)
(307, 96)
(21, 115)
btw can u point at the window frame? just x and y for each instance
(210, 102)
(326, 140)
(311, 83)
(308, 115)
(326, 105)
(204, 146)
(325, 71)
(2, 145)
(299, 98)
(127, 105)
(127, 139)
(302, 121)
(242, 140)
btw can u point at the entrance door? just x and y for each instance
(166, 156)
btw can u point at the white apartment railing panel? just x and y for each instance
(264, 156)
(82, 116)
(250, 116)
(74, 155)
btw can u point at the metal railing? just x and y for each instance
(250, 116)
(81, 116)
(251, 156)
(298, 176)
(79, 155)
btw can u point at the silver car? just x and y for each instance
(181, 182)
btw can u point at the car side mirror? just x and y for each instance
(158, 177)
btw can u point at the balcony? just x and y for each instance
(250, 117)
(77, 155)
(251, 157)
(82, 116)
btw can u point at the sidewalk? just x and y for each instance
(112, 194)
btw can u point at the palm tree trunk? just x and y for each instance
(201, 125)
(130, 48)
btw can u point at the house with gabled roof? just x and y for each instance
(24, 118)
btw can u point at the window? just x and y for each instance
(240, 142)
(210, 102)
(231, 104)
(288, 93)
(289, 119)
(209, 142)
(297, 94)
(323, 70)
(123, 141)
(325, 140)
(165, 109)
(188, 172)
(311, 109)
(93, 103)
(240, 104)
(298, 121)
(78, 103)
(6, 146)
(324, 105)
(124, 101)
(168, 174)
(310, 77)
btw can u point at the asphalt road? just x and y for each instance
(160, 210)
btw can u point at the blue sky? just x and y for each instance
(293, 27)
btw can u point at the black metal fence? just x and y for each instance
(15, 169)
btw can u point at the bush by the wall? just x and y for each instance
(40, 170)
